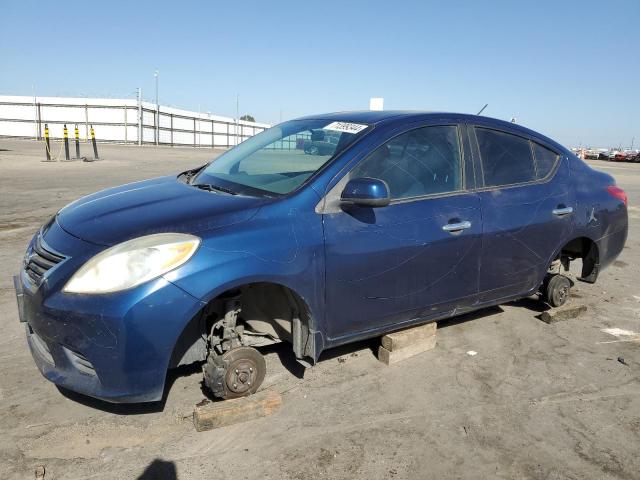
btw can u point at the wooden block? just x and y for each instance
(403, 338)
(389, 357)
(220, 414)
(566, 312)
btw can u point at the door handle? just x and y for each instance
(561, 212)
(456, 227)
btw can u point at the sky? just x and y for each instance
(568, 69)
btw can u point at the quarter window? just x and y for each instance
(506, 158)
(545, 159)
(425, 161)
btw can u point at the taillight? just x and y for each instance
(618, 193)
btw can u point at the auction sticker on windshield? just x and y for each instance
(345, 127)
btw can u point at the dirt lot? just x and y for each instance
(537, 401)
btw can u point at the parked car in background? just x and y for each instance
(321, 143)
(591, 154)
(411, 218)
(611, 155)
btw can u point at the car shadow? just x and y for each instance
(467, 317)
(531, 303)
(290, 363)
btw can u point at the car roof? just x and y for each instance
(403, 116)
(364, 116)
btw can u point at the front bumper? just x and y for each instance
(114, 347)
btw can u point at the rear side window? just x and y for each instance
(506, 159)
(424, 161)
(545, 159)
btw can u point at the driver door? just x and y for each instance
(414, 259)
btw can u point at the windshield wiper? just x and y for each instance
(187, 176)
(212, 188)
(190, 174)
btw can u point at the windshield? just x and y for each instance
(280, 159)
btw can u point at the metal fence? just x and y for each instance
(121, 121)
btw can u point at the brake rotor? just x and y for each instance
(245, 371)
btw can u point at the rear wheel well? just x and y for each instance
(268, 313)
(587, 250)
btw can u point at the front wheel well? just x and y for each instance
(587, 250)
(267, 313)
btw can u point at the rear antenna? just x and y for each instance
(482, 109)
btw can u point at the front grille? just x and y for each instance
(41, 259)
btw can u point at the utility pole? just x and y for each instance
(632, 140)
(198, 124)
(157, 74)
(237, 118)
(139, 116)
(35, 109)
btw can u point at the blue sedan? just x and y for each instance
(404, 218)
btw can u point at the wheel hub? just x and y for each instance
(236, 373)
(562, 293)
(241, 375)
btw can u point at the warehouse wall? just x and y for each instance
(118, 120)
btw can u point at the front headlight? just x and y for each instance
(133, 262)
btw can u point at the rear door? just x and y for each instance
(527, 209)
(415, 258)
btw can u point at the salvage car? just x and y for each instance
(412, 218)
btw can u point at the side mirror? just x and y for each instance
(365, 192)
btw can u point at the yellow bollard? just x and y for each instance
(77, 135)
(93, 140)
(66, 142)
(46, 142)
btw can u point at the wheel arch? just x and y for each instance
(586, 249)
(303, 333)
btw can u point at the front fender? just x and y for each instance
(281, 245)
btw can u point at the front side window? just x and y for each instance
(425, 161)
(280, 159)
(506, 159)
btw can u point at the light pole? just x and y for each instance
(140, 127)
(237, 118)
(156, 75)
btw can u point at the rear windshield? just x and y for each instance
(280, 159)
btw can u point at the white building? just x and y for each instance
(120, 120)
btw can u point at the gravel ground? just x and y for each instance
(537, 401)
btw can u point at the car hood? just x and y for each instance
(162, 204)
